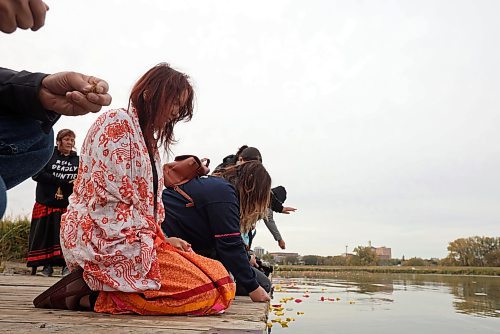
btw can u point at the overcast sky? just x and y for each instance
(381, 118)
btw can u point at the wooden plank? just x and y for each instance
(18, 315)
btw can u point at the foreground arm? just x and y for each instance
(45, 97)
(73, 94)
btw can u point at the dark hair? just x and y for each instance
(279, 193)
(237, 155)
(253, 185)
(250, 154)
(154, 94)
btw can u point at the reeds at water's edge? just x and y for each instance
(14, 234)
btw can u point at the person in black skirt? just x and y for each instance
(54, 185)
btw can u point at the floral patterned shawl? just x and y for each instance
(110, 228)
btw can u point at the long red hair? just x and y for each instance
(155, 94)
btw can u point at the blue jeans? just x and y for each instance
(24, 150)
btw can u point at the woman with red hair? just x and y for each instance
(120, 259)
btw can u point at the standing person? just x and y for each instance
(54, 185)
(223, 207)
(111, 237)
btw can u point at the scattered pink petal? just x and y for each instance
(322, 299)
(298, 300)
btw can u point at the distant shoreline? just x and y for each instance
(317, 271)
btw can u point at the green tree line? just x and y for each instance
(473, 251)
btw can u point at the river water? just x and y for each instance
(386, 303)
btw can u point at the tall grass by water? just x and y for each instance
(14, 233)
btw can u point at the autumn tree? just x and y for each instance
(366, 255)
(474, 251)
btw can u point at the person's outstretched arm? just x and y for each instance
(45, 97)
(271, 225)
(73, 94)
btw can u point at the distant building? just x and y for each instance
(259, 251)
(382, 253)
(280, 257)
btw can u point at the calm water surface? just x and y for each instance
(386, 303)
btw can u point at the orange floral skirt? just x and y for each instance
(190, 284)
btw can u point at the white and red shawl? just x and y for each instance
(110, 227)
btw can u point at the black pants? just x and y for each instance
(262, 279)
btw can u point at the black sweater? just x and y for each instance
(19, 97)
(212, 226)
(58, 172)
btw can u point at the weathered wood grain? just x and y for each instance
(17, 315)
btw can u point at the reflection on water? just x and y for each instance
(385, 303)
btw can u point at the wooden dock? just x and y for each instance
(17, 315)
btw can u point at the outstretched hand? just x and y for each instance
(286, 210)
(24, 14)
(73, 94)
(179, 244)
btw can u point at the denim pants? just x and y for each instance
(24, 150)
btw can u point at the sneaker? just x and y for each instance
(33, 270)
(47, 271)
(64, 271)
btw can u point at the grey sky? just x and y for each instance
(379, 117)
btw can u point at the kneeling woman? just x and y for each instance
(111, 235)
(223, 206)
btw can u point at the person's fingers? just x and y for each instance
(101, 86)
(7, 18)
(38, 10)
(100, 99)
(24, 17)
(70, 81)
(81, 105)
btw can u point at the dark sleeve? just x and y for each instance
(19, 97)
(225, 221)
(46, 177)
(276, 206)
